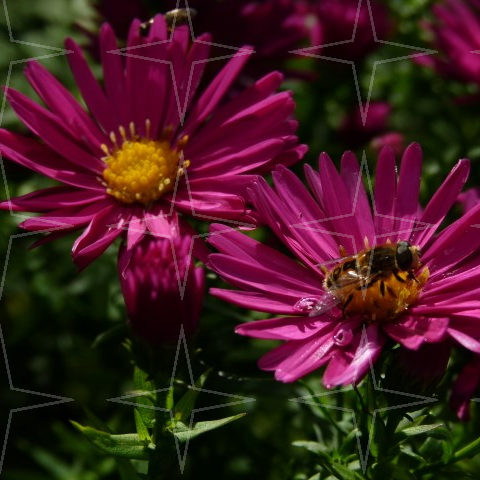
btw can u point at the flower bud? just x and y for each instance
(162, 288)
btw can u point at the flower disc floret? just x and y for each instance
(141, 169)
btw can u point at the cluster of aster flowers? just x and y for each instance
(156, 145)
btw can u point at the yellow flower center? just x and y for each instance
(142, 169)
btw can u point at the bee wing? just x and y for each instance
(350, 277)
(324, 304)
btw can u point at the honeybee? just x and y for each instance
(179, 16)
(378, 283)
(174, 18)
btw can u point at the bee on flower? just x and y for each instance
(363, 275)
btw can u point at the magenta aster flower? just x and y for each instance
(456, 34)
(464, 388)
(124, 163)
(394, 140)
(161, 291)
(355, 132)
(336, 24)
(423, 291)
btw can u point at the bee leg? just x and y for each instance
(346, 304)
(411, 276)
(391, 292)
(382, 288)
(398, 277)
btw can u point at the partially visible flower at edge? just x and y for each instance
(123, 167)
(162, 290)
(456, 34)
(464, 387)
(442, 304)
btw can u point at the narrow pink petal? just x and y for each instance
(385, 194)
(39, 158)
(464, 339)
(97, 237)
(345, 369)
(249, 275)
(284, 328)
(441, 202)
(455, 243)
(218, 87)
(297, 358)
(263, 302)
(408, 189)
(52, 198)
(91, 92)
(352, 177)
(49, 128)
(412, 332)
(335, 199)
(113, 73)
(238, 245)
(65, 106)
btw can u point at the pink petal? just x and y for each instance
(51, 198)
(90, 89)
(440, 203)
(284, 328)
(49, 128)
(41, 159)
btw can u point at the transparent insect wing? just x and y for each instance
(324, 304)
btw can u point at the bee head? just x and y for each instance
(407, 256)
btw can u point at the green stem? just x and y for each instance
(468, 451)
(322, 408)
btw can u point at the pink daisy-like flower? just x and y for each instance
(152, 275)
(456, 33)
(124, 162)
(423, 291)
(464, 388)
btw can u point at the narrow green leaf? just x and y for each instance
(124, 446)
(146, 403)
(344, 472)
(420, 429)
(142, 430)
(314, 447)
(183, 433)
(185, 405)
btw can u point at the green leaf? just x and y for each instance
(142, 430)
(124, 446)
(184, 434)
(314, 447)
(344, 472)
(185, 405)
(420, 429)
(146, 403)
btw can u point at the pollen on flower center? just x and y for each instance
(140, 169)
